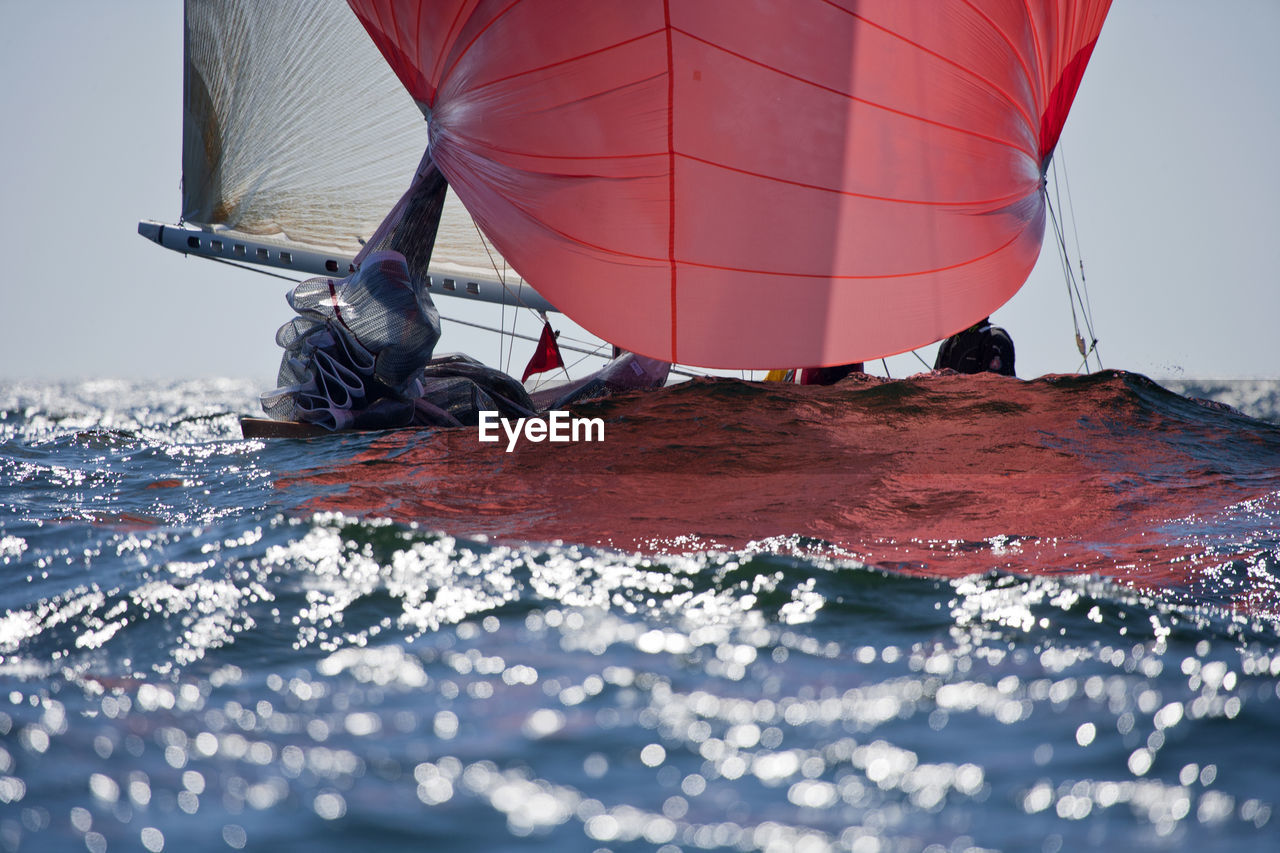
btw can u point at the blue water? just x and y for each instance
(203, 648)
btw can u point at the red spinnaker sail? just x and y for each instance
(750, 184)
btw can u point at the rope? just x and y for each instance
(250, 269)
(571, 348)
(1073, 288)
(502, 279)
(1071, 212)
(499, 331)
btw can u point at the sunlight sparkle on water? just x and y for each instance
(693, 660)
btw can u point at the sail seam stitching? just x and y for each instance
(869, 276)
(782, 273)
(980, 203)
(1007, 39)
(567, 61)
(671, 171)
(461, 54)
(990, 84)
(872, 104)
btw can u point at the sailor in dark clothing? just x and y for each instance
(981, 347)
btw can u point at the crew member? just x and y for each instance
(980, 348)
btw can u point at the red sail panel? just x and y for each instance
(785, 182)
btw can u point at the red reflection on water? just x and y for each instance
(937, 474)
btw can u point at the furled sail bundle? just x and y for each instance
(750, 185)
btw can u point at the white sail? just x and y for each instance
(295, 129)
(298, 135)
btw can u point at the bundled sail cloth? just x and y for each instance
(359, 355)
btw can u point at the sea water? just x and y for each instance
(937, 614)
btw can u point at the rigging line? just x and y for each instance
(248, 268)
(1067, 275)
(502, 317)
(1084, 282)
(1084, 308)
(502, 339)
(1073, 291)
(561, 336)
(1085, 305)
(514, 334)
(1064, 252)
(588, 352)
(595, 353)
(502, 279)
(918, 358)
(565, 367)
(885, 364)
(1061, 155)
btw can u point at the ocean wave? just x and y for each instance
(930, 614)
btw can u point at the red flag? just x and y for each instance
(546, 356)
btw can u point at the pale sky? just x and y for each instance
(1170, 147)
